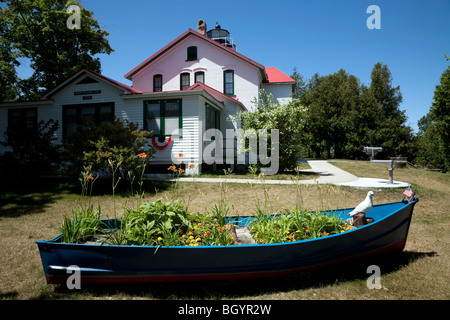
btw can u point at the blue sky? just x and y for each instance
(314, 36)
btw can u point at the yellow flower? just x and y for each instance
(160, 239)
(191, 237)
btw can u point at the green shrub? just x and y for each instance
(84, 224)
(153, 220)
(295, 225)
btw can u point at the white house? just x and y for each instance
(192, 84)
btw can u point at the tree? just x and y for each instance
(430, 147)
(8, 64)
(37, 30)
(287, 118)
(343, 115)
(434, 134)
(300, 85)
(391, 132)
(329, 100)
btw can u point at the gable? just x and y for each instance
(87, 80)
(191, 33)
(86, 76)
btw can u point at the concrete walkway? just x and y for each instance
(328, 174)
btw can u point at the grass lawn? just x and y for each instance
(33, 212)
(286, 175)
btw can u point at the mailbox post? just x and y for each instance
(390, 169)
(372, 151)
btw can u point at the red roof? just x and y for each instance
(117, 83)
(183, 36)
(219, 96)
(276, 76)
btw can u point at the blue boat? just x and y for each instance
(102, 263)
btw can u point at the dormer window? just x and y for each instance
(191, 53)
(157, 83)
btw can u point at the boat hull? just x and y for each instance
(124, 264)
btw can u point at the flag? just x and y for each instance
(408, 192)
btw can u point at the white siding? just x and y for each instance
(280, 92)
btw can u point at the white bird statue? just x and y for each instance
(364, 206)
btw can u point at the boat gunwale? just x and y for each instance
(55, 242)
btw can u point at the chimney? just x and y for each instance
(201, 27)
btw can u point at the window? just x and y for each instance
(22, 118)
(191, 53)
(82, 115)
(22, 123)
(212, 118)
(199, 77)
(157, 83)
(185, 81)
(163, 117)
(228, 82)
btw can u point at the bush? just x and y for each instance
(288, 119)
(34, 151)
(109, 149)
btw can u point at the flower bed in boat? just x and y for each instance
(170, 224)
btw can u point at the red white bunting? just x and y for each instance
(161, 145)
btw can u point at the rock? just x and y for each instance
(243, 235)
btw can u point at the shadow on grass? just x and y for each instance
(18, 198)
(286, 175)
(237, 289)
(22, 197)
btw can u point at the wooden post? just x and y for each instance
(359, 219)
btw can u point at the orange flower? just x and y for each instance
(89, 177)
(142, 155)
(180, 155)
(180, 170)
(191, 166)
(172, 168)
